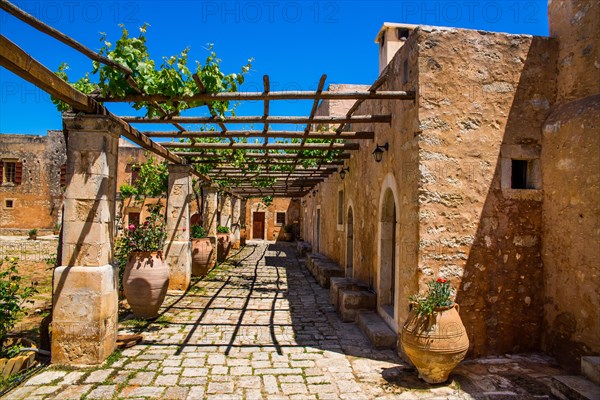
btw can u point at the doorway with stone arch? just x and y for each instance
(349, 243)
(388, 263)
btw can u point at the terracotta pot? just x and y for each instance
(202, 260)
(145, 283)
(435, 344)
(223, 245)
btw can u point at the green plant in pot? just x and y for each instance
(433, 336)
(146, 275)
(202, 251)
(224, 241)
(32, 234)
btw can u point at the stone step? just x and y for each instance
(352, 301)
(378, 332)
(590, 368)
(574, 388)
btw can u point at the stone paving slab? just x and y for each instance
(260, 327)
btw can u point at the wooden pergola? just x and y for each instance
(277, 164)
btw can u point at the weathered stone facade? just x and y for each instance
(35, 202)
(444, 201)
(571, 176)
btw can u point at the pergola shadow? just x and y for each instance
(264, 299)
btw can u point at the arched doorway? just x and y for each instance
(387, 256)
(349, 244)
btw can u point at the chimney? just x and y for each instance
(391, 38)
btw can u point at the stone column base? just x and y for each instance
(84, 320)
(179, 260)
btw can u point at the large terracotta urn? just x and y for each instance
(202, 259)
(223, 245)
(435, 343)
(145, 283)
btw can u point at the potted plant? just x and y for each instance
(288, 233)
(433, 336)
(202, 250)
(224, 239)
(56, 230)
(32, 234)
(15, 353)
(146, 275)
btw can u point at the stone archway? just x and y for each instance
(349, 243)
(387, 257)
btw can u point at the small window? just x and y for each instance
(340, 208)
(9, 203)
(134, 174)
(519, 174)
(280, 218)
(134, 218)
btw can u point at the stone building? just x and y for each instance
(32, 180)
(268, 222)
(490, 178)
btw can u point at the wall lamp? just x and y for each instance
(378, 152)
(343, 172)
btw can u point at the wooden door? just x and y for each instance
(258, 226)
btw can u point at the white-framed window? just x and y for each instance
(9, 203)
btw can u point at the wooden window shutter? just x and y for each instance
(63, 175)
(1, 171)
(18, 172)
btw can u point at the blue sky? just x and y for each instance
(294, 42)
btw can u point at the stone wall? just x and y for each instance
(571, 176)
(481, 102)
(274, 231)
(37, 201)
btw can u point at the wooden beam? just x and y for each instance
(270, 146)
(16, 60)
(359, 119)
(261, 133)
(251, 156)
(279, 95)
(61, 37)
(261, 162)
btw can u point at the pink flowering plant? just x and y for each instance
(439, 294)
(148, 236)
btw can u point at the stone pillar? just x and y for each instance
(178, 251)
(235, 225)
(84, 319)
(226, 211)
(209, 220)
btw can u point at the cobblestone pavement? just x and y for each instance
(259, 327)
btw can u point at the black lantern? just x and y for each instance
(378, 152)
(343, 172)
